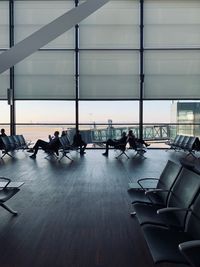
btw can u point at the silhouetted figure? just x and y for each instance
(2, 135)
(115, 143)
(78, 142)
(133, 141)
(53, 144)
(64, 132)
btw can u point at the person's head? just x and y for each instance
(130, 132)
(124, 134)
(2, 131)
(64, 132)
(56, 134)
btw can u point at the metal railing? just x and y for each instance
(94, 133)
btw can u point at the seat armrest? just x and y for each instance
(190, 250)
(172, 209)
(189, 244)
(139, 181)
(152, 191)
(148, 178)
(6, 179)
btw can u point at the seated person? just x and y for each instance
(3, 132)
(115, 143)
(134, 142)
(78, 142)
(2, 135)
(53, 144)
(64, 132)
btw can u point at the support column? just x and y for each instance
(11, 43)
(77, 71)
(141, 69)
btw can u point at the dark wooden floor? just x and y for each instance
(76, 214)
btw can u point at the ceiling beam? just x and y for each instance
(48, 33)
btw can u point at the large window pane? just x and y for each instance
(172, 75)
(31, 113)
(4, 23)
(30, 16)
(104, 111)
(172, 23)
(115, 25)
(45, 111)
(151, 114)
(107, 119)
(46, 75)
(109, 75)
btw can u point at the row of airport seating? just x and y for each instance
(12, 143)
(185, 143)
(65, 148)
(8, 188)
(168, 210)
(17, 142)
(139, 148)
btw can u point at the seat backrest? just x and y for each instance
(183, 144)
(176, 139)
(12, 142)
(179, 141)
(64, 141)
(6, 143)
(168, 177)
(192, 226)
(17, 141)
(21, 140)
(190, 144)
(184, 191)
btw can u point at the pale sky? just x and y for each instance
(90, 111)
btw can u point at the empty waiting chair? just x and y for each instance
(23, 144)
(13, 144)
(164, 182)
(184, 143)
(183, 247)
(174, 142)
(180, 196)
(179, 142)
(65, 147)
(7, 192)
(17, 141)
(7, 146)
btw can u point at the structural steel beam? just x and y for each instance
(48, 33)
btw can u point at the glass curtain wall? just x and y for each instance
(132, 54)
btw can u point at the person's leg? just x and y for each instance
(82, 147)
(109, 142)
(143, 142)
(39, 143)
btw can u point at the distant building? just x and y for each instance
(187, 116)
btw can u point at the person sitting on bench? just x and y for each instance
(3, 134)
(53, 145)
(133, 141)
(115, 143)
